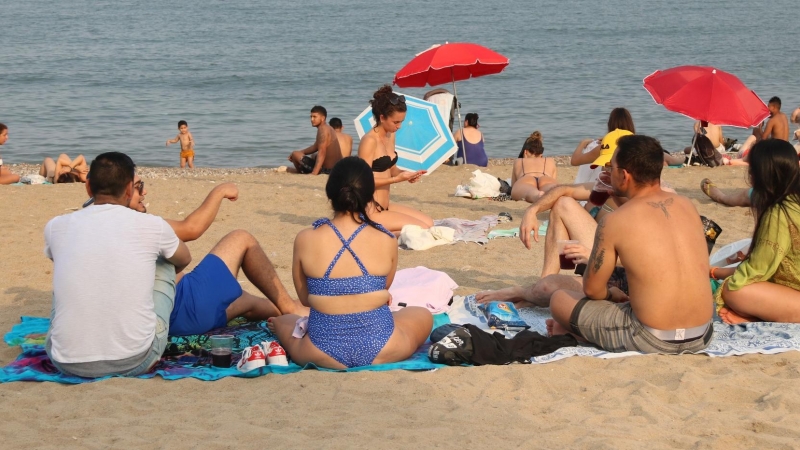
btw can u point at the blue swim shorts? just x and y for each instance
(202, 296)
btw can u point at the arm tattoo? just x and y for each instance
(598, 254)
(663, 205)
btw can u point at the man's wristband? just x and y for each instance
(711, 273)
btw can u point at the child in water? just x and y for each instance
(187, 144)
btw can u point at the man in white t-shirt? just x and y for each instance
(110, 316)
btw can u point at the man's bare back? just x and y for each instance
(345, 143)
(713, 133)
(777, 127)
(659, 239)
(333, 153)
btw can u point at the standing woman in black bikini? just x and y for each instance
(532, 175)
(377, 149)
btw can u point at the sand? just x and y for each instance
(689, 401)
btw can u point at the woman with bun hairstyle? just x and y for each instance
(342, 269)
(532, 175)
(377, 149)
(472, 141)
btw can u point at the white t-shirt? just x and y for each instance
(104, 263)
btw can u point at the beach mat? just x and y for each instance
(728, 340)
(184, 357)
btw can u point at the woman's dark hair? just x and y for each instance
(533, 144)
(3, 127)
(471, 120)
(775, 177)
(620, 118)
(385, 103)
(68, 177)
(350, 188)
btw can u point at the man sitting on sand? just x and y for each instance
(345, 140)
(663, 314)
(109, 317)
(777, 127)
(325, 149)
(210, 295)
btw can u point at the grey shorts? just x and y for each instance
(614, 328)
(163, 299)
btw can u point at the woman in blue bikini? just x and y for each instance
(532, 175)
(342, 270)
(377, 149)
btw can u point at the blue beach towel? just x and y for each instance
(184, 357)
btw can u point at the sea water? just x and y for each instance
(89, 76)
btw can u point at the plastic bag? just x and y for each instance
(503, 315)
(483, 185)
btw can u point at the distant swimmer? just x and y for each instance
(187, 144)
(325, 150)
(345, 140)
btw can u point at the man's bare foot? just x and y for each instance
(731, 317)
(513, 294)
(554, 328)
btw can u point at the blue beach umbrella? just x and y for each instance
(423, 142)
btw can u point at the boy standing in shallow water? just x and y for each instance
(187, 144)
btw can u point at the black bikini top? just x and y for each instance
(383, 163)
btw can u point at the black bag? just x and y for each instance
(505, 188)
(705, 153)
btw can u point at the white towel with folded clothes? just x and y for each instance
(414, 237)
(470, 230)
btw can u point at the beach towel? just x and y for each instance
(514, 232)
(729, 340)
(470, 230)
(184, 357)
(420, 286)
(414, 237)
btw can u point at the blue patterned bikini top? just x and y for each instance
(333, 287)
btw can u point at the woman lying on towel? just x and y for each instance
(342, 270)
(532, 175)
(377, 149)
(766, 285)
(64, 169)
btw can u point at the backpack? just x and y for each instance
(705, 153)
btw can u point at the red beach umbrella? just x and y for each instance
(449, 63)
(706, 94)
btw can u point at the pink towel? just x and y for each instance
(423, 287)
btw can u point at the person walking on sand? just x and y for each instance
(187, 144)
(325, 149)
(345, 140)
(662, 314)
(377, 148)
(6, 176)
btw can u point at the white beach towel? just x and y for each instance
(414, 237)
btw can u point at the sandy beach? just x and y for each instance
(688, 401)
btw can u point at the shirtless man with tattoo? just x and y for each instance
(659, 237)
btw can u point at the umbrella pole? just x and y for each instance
(460, 125)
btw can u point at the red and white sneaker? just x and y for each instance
(252, 358)
(276, 355)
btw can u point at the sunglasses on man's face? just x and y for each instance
(397, 100)
(139, 187)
